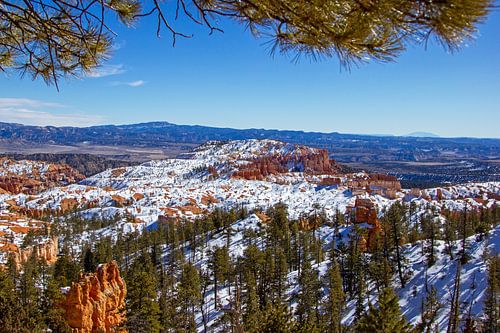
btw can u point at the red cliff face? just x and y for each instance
(386, 181)
(313, 162)
(96, 303)
(47, 251)
(31, 177)
(365, 211)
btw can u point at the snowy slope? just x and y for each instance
(441, 275)
(186, 188)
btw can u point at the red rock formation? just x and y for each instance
(329, 181)
(138, 196)
(96, 303)
(386, 181)
(309, 161)
(36, 180)
(47, 251)
(364, 211)
(375, 183)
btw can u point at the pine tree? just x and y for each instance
(142, 305)
(431, 233)
(9, 315)
(29, 295)
(280, 282)
(430, 311)
(220, 264)
(386, 317)
(252, 314)
(65, 270)
(276, 319)
(51, 299)
(309, 294)
(395, 216)
(454, 317)
(492, 301)
(335, 302)
(188, 297)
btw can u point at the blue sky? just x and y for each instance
(230, 80)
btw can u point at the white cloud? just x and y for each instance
(106, 70)
(134, 84)
(26, 102)
(32, 112)
(137, 83)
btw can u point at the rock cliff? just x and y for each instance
(47, 250)
(96, 303)
(31, 177)
(306, 160)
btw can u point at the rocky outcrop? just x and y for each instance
(364, 211)
(31, 177)
(307, 160)
(380, 184)
(386, 181)
(47, 250)
(96, 303)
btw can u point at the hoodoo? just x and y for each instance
(96, 303)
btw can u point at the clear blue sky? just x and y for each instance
(230, 80)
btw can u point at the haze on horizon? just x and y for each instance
(230, 80)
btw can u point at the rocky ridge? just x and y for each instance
(32, 177)
(253, 173)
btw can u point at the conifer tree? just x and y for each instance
(335, 302)
(29, 295)
(65, 270)
(454, 316)
(188, 297)
(220, 264)
(252, 314)
(276, 319)
(395, 216)
(51, 299)
(51, 39)
(430, 233)
(9, 315)
(384, 318)
(492, 301)
(142, 305)
(309, 295)
(430, 310)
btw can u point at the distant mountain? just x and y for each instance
(423, 135)
(158, 134)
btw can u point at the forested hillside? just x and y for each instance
(262, 272)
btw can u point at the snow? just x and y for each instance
(184, 188)
(441, 275)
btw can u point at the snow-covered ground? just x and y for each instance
(421, 279)
(186, 188)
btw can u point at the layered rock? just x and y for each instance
(96, 303)
(31, 177)
(380, 184)
(47, 250)
(300, 159)
(365, 211)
